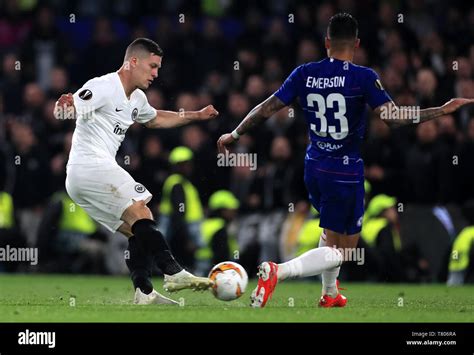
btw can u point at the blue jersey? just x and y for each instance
(333, 95)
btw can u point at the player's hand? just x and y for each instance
(454, 104)
(65, 100)
(63, 105)
(207, 113)
(224, 141)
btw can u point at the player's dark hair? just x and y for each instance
(144, 44)
(343, 26)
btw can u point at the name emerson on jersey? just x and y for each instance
(323, 83)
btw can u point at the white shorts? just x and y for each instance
(104, 191)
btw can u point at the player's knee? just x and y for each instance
(138, 210)
(143, 212)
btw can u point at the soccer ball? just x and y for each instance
(230, 280)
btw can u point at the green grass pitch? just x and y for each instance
(64, 298)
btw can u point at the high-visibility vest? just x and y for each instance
(308, 237)
(192, 208)
(209, 228)
(73, 217)
(371, 229)
(7, 218)
(459, 259)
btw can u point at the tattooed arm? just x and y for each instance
(258, 114)
(395, 116)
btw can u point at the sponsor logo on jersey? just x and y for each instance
(328, 146)
(85, 94)
(139, 188)
(134, 114)
(119, 130)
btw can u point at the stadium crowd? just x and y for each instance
(234, 54)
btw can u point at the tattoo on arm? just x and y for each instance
(430, 113)
(395, 116)
(260, 113)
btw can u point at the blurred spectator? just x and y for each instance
(104, 44)
(426, 84)
(31, 165)
(205, 178)
(277, 40)
(219, 244)
(14, 26)
(212, 52)
(255, 89)
(11, 85)
(33, 101)
(69, 239)
(428, 175)
(247, 63)
(153, 169)
(381, 235)
(181, 211)
(10, 234)
(58, 163)
(307, 52)
(382, 159)
(464, 171)
(44, 48)
(461, 265)
(59, 83)
(275, 186)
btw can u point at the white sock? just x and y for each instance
(311, 263)
(329, 277)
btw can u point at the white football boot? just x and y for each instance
(183, 280)
(153, 297)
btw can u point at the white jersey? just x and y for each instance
(104, 114)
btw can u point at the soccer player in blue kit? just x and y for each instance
(333, 94)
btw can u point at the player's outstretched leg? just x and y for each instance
(140, 265)
(176, 278)
(149, 238)
(311, 263)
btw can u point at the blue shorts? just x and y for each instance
(340, 203)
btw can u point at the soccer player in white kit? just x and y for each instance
(104, 108)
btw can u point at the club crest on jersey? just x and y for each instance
(139, 188)
(85, 94)
(134, 114)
